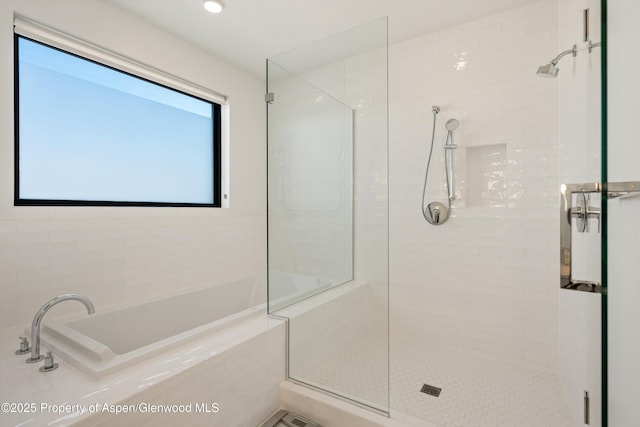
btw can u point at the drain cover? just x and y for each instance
(431, 390)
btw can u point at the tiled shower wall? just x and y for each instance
(117, 255)
(487, 279)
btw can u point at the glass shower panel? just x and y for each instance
(622, 250)
(310, 189)
(328, 211)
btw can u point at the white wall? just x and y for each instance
(487, 279)
(624, 230)
(119, 254)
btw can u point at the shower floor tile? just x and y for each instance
(476, 390)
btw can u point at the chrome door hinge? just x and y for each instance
(269, 98)
(586, 407)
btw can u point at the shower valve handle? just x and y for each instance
(583, 212)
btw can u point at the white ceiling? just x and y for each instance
(249, 31)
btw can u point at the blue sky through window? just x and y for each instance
(91, 133)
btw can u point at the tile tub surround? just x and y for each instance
(239, 368)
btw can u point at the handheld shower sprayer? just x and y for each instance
(437, 213)
(451, 125)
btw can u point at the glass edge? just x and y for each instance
(604, 217)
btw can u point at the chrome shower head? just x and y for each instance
(451, 125)
(548, 70)
(551, 69)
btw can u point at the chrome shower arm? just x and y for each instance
(573, 51)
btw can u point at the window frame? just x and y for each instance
(216, 141)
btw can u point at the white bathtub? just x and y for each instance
(104, 343)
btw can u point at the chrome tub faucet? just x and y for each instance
(35, 325)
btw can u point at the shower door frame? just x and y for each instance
(603, 213)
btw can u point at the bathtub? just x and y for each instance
(109, 341)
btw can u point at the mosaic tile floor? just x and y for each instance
(476, 390)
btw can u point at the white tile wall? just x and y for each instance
(486, 177)
(485, 280)
(120, 254)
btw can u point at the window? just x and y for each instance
(89, 134)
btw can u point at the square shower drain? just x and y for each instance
(431, 390)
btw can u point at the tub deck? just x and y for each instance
(22, 383)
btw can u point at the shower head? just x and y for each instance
(548, 70)
(452, 124)
(551, 70)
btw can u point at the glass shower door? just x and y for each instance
(310, 189)
(622, 210)
(607, 208)
(583, 285)
(328, 212)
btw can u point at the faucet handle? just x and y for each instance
(24, 346)
(49, 365)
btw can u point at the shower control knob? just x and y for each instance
(436, 213)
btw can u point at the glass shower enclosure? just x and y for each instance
(328, 211)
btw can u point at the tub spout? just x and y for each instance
(35, 325)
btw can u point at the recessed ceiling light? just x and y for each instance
(213, 6)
